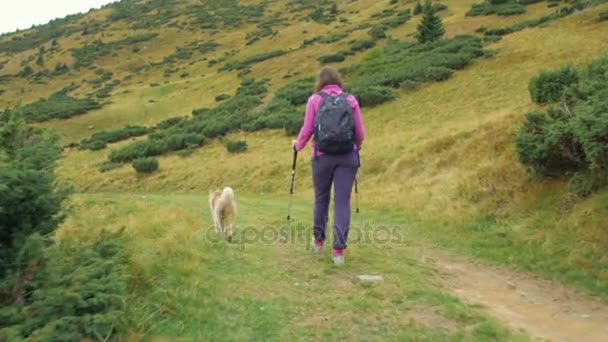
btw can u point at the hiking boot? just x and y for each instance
(317, 248)
(338, 256)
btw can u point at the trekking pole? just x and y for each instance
(293, 177)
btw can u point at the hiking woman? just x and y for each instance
(334, 119)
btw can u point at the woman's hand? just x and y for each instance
(293, 144)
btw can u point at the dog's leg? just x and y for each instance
(229, 232)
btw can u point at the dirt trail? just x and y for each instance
(546, 310)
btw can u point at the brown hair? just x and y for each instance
(328, 75)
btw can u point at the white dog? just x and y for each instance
(223, 211)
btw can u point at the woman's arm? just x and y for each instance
(359, 129)
(309, 120)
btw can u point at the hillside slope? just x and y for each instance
(441, 153)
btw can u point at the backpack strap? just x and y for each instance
(325, 96)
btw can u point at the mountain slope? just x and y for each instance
(441, 153)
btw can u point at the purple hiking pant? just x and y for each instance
(341, 171)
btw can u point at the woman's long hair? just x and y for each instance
(327, 76)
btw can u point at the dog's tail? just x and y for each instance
(227, 199)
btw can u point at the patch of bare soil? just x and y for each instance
(546, 310)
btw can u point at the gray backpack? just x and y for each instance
(334, 129)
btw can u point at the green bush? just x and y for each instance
(562, 12)
(510, 9)
(359, 45)
(378, 32)
(549, 86)
(99, 140)
(503, 8)
(333, 38)
(145, 165)
(238, 146)
(239, 65)
(333, 58)
(438, 73)
(292, 125)
(417, 8)
(77, 291)
(222, 97)
(370, 96)
(25, 72)
(251, 87)
(89, 53)
(298, 92)
(438, 7)
(58, 106)
(603, 16)
(572, 137)
(401, 61)
(229, 116)
(491, 39)
(170, 122)
(29, 200)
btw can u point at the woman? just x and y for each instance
(339, 169)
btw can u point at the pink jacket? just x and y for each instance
(309, 119)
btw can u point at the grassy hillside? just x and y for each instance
(192, 286)
(441, 154)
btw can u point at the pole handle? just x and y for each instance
(295, 159)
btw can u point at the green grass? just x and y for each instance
(188, 283)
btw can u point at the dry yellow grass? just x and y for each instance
(474, 115)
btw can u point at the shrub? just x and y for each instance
(438, 74)
(222, 97)
(239, 65)
(370, 96)
(402, 63)
(58, 106)
(603, 16)
(333, 38)
(572, 138)
(78, 291)
(292, 125)
(145, 165)
(418, 8)
(549, 86)
(491, 39)
(238, 146)
(359, 45)
(511, 9)
(89, 53)
(438, 7)
(170, 122)
(99, 140)
(25, 72)
(333, 58)
(498, 7)
(229, 116)
(251, 87)
(563, 12)
(30, 201)
(378, 32)
(408, 84)
(298, 92)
